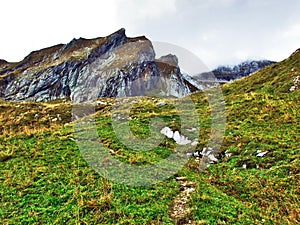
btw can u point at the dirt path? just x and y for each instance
(180, 204)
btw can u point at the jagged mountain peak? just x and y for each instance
(3, 63)
(170, 59)
(243, 69)
(107, 66)
(277, 78)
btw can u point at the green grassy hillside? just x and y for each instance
(45, 180)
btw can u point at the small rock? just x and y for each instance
(228, 154)
(191, 129)
(100, 103)
(212, 158)
(176, 136)
(196, 154)
(161, 104)
(180, 139)
(206, 151)
(262, 154)
(167, 132)
(245, 166)
(180, 178)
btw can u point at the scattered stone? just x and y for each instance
(100, 103)
(208, 157)
(296, 83)
(196, 154)
(181, 178)
(191, 129)
(228, 154)
(167, 132)
(161, 104)
(261, 154)
(212, 158)
(177, 137)
(180, 139)
(245, 166)
(54, 119)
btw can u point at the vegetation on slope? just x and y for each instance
(45, 180)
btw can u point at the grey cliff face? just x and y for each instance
(82, 70)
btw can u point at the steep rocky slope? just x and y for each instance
(86, 69)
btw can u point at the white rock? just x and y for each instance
(191, 129)
(228, 154)
(176, 136)
(183, 141)
(206, 151)
(100, 103)
(261, 154)
(212, 158)
(196, 154)
(167, 132)
(161, 104)
(245, 166)
(180, 139)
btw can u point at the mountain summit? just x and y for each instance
(225, 74)
(85, 69)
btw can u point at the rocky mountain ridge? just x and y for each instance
(112, 66)
(85, 69)
(229, 73)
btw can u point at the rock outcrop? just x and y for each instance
(224, 74)
(86, 69)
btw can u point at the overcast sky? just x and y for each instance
(217, 31)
